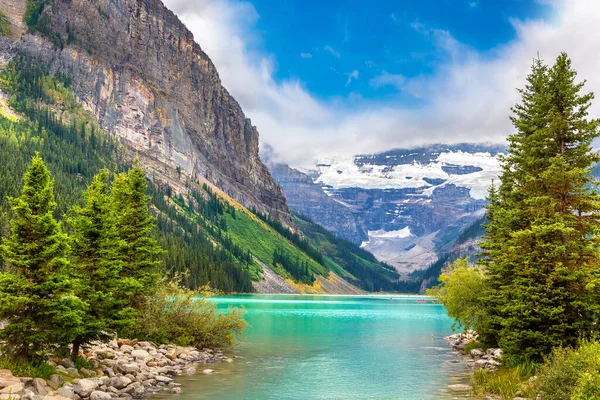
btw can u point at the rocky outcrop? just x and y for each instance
(139, 70)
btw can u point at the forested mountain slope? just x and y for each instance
(97, 83)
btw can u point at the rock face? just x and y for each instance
(308, 198)
(407, 206)
(139, 70)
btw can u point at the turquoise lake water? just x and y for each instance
(334, 347)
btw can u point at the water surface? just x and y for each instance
(334, 347)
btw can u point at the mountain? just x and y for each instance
(94, 84)
(408, 206)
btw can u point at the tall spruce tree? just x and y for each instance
(542, 245)
(97, 258)
(141, 253)
(36, 293)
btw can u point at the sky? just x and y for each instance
(328, 78)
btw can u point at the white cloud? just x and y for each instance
(394, 18)
(331, 50)
(387, 79)
(352, 75)
(306, 55)
(467, 99)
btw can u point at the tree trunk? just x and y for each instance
(76, 347)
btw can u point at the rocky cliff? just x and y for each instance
(139, 70)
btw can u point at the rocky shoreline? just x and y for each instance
(489, 359)
(123, 369)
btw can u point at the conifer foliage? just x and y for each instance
(98, 259)
(542, 247)
(36, 296)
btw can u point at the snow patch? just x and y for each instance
(343, 173)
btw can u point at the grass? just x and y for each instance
(81, 362)
(506, 382)
(31, 369)
(263, 241)
(4, 25)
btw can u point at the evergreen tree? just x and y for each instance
(542, 251)
(141, 252)
(36, 293)
(98, 263)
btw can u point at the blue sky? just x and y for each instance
(382, 74)
(322, 42)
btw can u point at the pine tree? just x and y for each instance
(542, 246)
(98, 264)
(141, 252)
(36, 293)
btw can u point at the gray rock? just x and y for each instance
(142, 354)
(127, 348)
(67, 363)
(164, 379)
(208, 371)
(98, 395)
(39, 386)
(66, 391)
(85, 387)
(139, 393)
(119, 382)
(55, 381)
(459, 387)
(28, 395)
(73, 372)
(477, 353)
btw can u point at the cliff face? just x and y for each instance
(308, 198)
(138, 69)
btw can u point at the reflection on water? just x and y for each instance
(334, 347)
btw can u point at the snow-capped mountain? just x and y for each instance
(408, 205)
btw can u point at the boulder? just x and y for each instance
(142, 354)
(13, 389)
(66, 391)
(477, 353)
(7, 379)
(164, 379)
(28, 395)
(208, 371)
(67, 363)
(85, 386)
(39, 386)
(127, 348)
(119, 382)
(98, 395)
(55, 381)
(128, 368)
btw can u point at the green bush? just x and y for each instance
(178, 315)
(460, 292)
(571, 373)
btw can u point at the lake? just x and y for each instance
(334, 347)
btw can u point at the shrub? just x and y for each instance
(506, 382)
(29, 369)
(571, 373)
(460, 292)
(178, 315)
